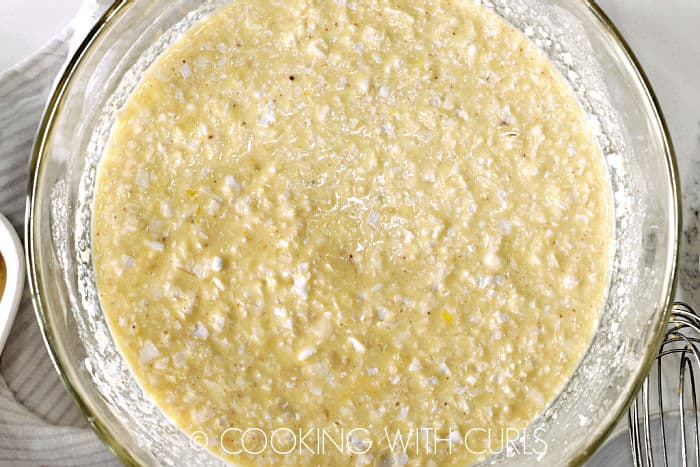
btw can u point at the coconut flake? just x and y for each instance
(200, 331)
(179, 359)
(128, 261)
(373, 218)
(155, 245)
(301, 286)
(217, 322)
(267, 117)
(507, 116)
(143, 178)
(232, 183)
(492, 260)
(148, 352)
(166, 210)
(185, 70)
(357, 344)
(306, 353)
(415, 365)
(570, 281)
(282, 314)
(444, 369)
(388, 129)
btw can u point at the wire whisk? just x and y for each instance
(663, 424)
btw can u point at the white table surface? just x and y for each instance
(664, 34)
(26, 25)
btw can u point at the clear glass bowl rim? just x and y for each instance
(102, 429)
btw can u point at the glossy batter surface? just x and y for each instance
(383, 215)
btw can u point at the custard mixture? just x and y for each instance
(359, 217)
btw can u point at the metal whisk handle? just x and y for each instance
(649, 418)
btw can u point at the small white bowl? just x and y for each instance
(11, 294)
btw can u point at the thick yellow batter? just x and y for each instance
(335, 215)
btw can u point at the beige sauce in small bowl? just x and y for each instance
(3, 276)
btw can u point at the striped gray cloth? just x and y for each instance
(39, 422)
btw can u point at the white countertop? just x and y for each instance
(46, 18)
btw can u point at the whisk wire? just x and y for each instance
(659, 379)
(682, 342)
(633, 424)
(647, 431)
(684, 452)
(687, 364)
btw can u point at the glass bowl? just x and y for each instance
(613, 91)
